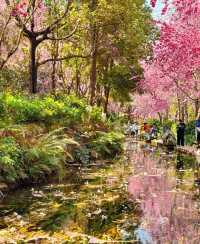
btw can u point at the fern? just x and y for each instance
(49, 153)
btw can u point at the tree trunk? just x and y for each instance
(93, 77)
(107, 93)
(183, 112)
(55, 50)
(53, 77)
(179, 108)
(98, 95)
(33, 67)
(160, 118)
(54, 56)
(78, 80)
(61, 75)
(186, 112)
(197, 105)
(94, 39)
(167, 114)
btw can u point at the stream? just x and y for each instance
(148, 196)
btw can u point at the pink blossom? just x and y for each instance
(153, 3)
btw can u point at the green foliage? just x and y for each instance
(95, 114)
(108, 144)
(70, 109)
(99, 145)
(168, 123)
(10, 159)
(21, 109)
(118, 80)
(48, 154)
(190, 137)
(45, 155)
(82, 155)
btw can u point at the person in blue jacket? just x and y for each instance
(198, 131)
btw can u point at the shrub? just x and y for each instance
(40, 157)
(108, 144)
(48, 154)
(11, 156)
(190, 137)
(22, 109)
(68, 110)
(82, 155)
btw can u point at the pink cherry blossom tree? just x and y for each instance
(173, 70)
(177, 51)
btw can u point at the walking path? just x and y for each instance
(190, 150)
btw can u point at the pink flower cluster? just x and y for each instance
(153, 3)
(20, 9)
(174, 67)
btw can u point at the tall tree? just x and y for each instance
(174, 67)
(119, 33)
(38, 21)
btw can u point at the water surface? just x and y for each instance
(149, 196)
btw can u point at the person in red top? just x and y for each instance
(146, 128)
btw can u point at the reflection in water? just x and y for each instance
(179, 162)
(151, 197)
(170, 213)
(92, 206)
(179, 170)
(143, 236)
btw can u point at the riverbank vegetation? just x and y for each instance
(40, 135)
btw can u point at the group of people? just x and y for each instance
(150, 132)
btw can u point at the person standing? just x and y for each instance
(198, 130)
(134, 130)
(153, 132)
(147, 129)
(181, 133)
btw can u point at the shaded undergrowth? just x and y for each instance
(40, 135)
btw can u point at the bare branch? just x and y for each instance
(4, 29)
(65, 37)
(12, 51)
(7, 2)
(183, 91)
(51, 27)
(62, 58)
(177, 85)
